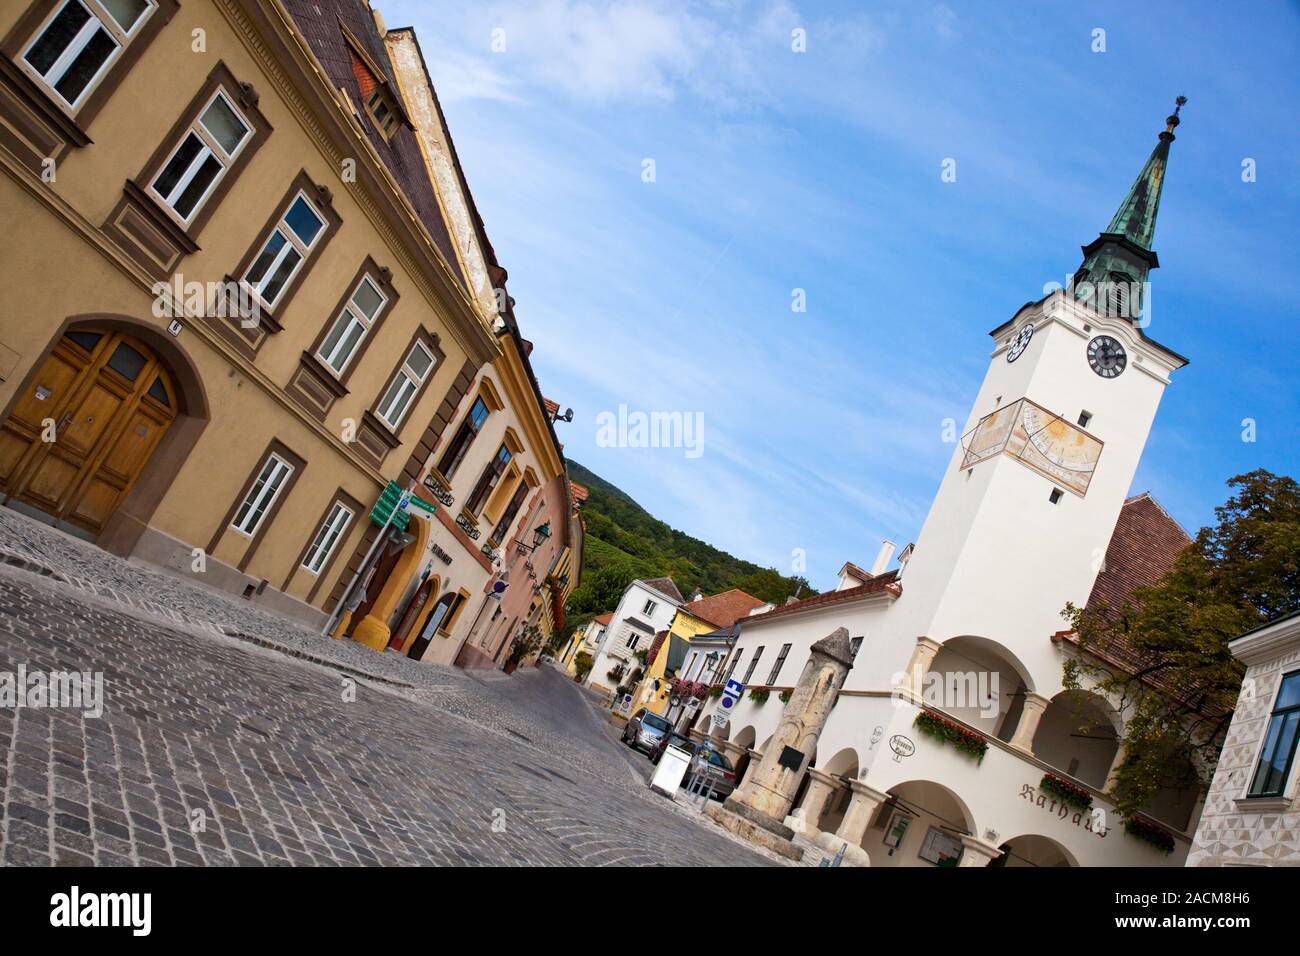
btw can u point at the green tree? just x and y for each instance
(1236, 575)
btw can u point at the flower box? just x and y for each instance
(1066, 792)
(942, 729)
(758, 696)
(1158, 837)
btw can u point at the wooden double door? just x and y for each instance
(83, 429)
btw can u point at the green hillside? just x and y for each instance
(624, 542)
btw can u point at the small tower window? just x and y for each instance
(382, 113)
(1084, 418)
(1055, 496)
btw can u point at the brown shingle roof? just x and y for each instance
(723, 609)
(1142, 548)
(883, 582)
(318, 21)
(666, 586)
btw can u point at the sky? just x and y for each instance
(669, 285)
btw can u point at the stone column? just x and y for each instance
(919, 664)
(862, 806)
(755, 758)
(821, 787)
(733, 752)
(978, 853)
(758, 808)
(1030, 714)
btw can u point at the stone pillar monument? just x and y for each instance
(757, 809)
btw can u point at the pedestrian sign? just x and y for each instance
(731, 695)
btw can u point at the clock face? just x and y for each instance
(1020, 342)
(1106, 356)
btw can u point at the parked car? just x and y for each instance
(718, 768)
(644, 730)
(674, 739)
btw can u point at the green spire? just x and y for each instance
(1116, 263)
(1136, 217)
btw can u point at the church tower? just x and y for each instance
(1026, 508)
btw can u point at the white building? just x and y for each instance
(1252, 813)
(645, 609)
(970, 629)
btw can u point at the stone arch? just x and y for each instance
(926, 805)
(1033, 849)
(124, 528)
(1078, 734)
(844, 765)
(979, 681)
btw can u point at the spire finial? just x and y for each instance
(1172, 120)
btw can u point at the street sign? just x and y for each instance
(391, 504)
(427, 506)
(731, 695)
(719, 720)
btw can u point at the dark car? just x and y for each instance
(644, 730)
(718, 768)
(674, 739)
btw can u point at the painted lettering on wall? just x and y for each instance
(1063, 812)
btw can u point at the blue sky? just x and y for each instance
(777, 170)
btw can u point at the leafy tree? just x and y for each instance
(1236, 575)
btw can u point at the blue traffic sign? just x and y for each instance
(731, 694)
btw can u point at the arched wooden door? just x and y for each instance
(84, 428)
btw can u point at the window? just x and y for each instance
(488, 480)
(76, 47)
(464, 437)
(414, 370)
(336, 522)
(649, 608)
(1055, 496)
(632, 640)
(516, 502)
(351, 326)
(776, 668)
(1279, 741)
(731, 668)
(288, 246)
(1084, 418)
(205, 153)
(758, 652)
(382, 114)
(262, 495)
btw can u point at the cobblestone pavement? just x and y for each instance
(282, 769)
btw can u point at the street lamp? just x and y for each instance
(539, 535)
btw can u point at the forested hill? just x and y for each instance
(624, 542)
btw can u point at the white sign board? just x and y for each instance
(670, 771)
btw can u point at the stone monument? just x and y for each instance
(757, 810)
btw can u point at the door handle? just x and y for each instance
(63, 423)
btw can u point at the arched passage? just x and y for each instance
(843, 765)
(1078, 734)
(126, 404)
(921, 824)
(978, 681)
(1033, 850)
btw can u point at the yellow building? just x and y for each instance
(703, 615)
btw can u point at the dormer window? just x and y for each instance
(383, 113)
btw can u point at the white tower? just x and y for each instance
(1026, 509)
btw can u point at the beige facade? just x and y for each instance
(253, 440)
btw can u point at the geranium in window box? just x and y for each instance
(942, 729)
(1066, 792)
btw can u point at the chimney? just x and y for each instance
(883, 557)
(697, 594)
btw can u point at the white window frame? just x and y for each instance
(331, 532)
(292, 241)
(209, 147)
(262, 495)
(405, 393)
(650, 607)
(98, 14)
(351, 314)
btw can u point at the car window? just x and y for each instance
(655, 721)
(718, 760)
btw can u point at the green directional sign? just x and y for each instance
(384, 507)
(389, 499)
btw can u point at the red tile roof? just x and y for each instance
(855, 571)
(883, 582)
(552, 408)
(580, 493)
(1142, 548)
(723, 609)
(605, 618)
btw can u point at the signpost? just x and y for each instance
(731, 695)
